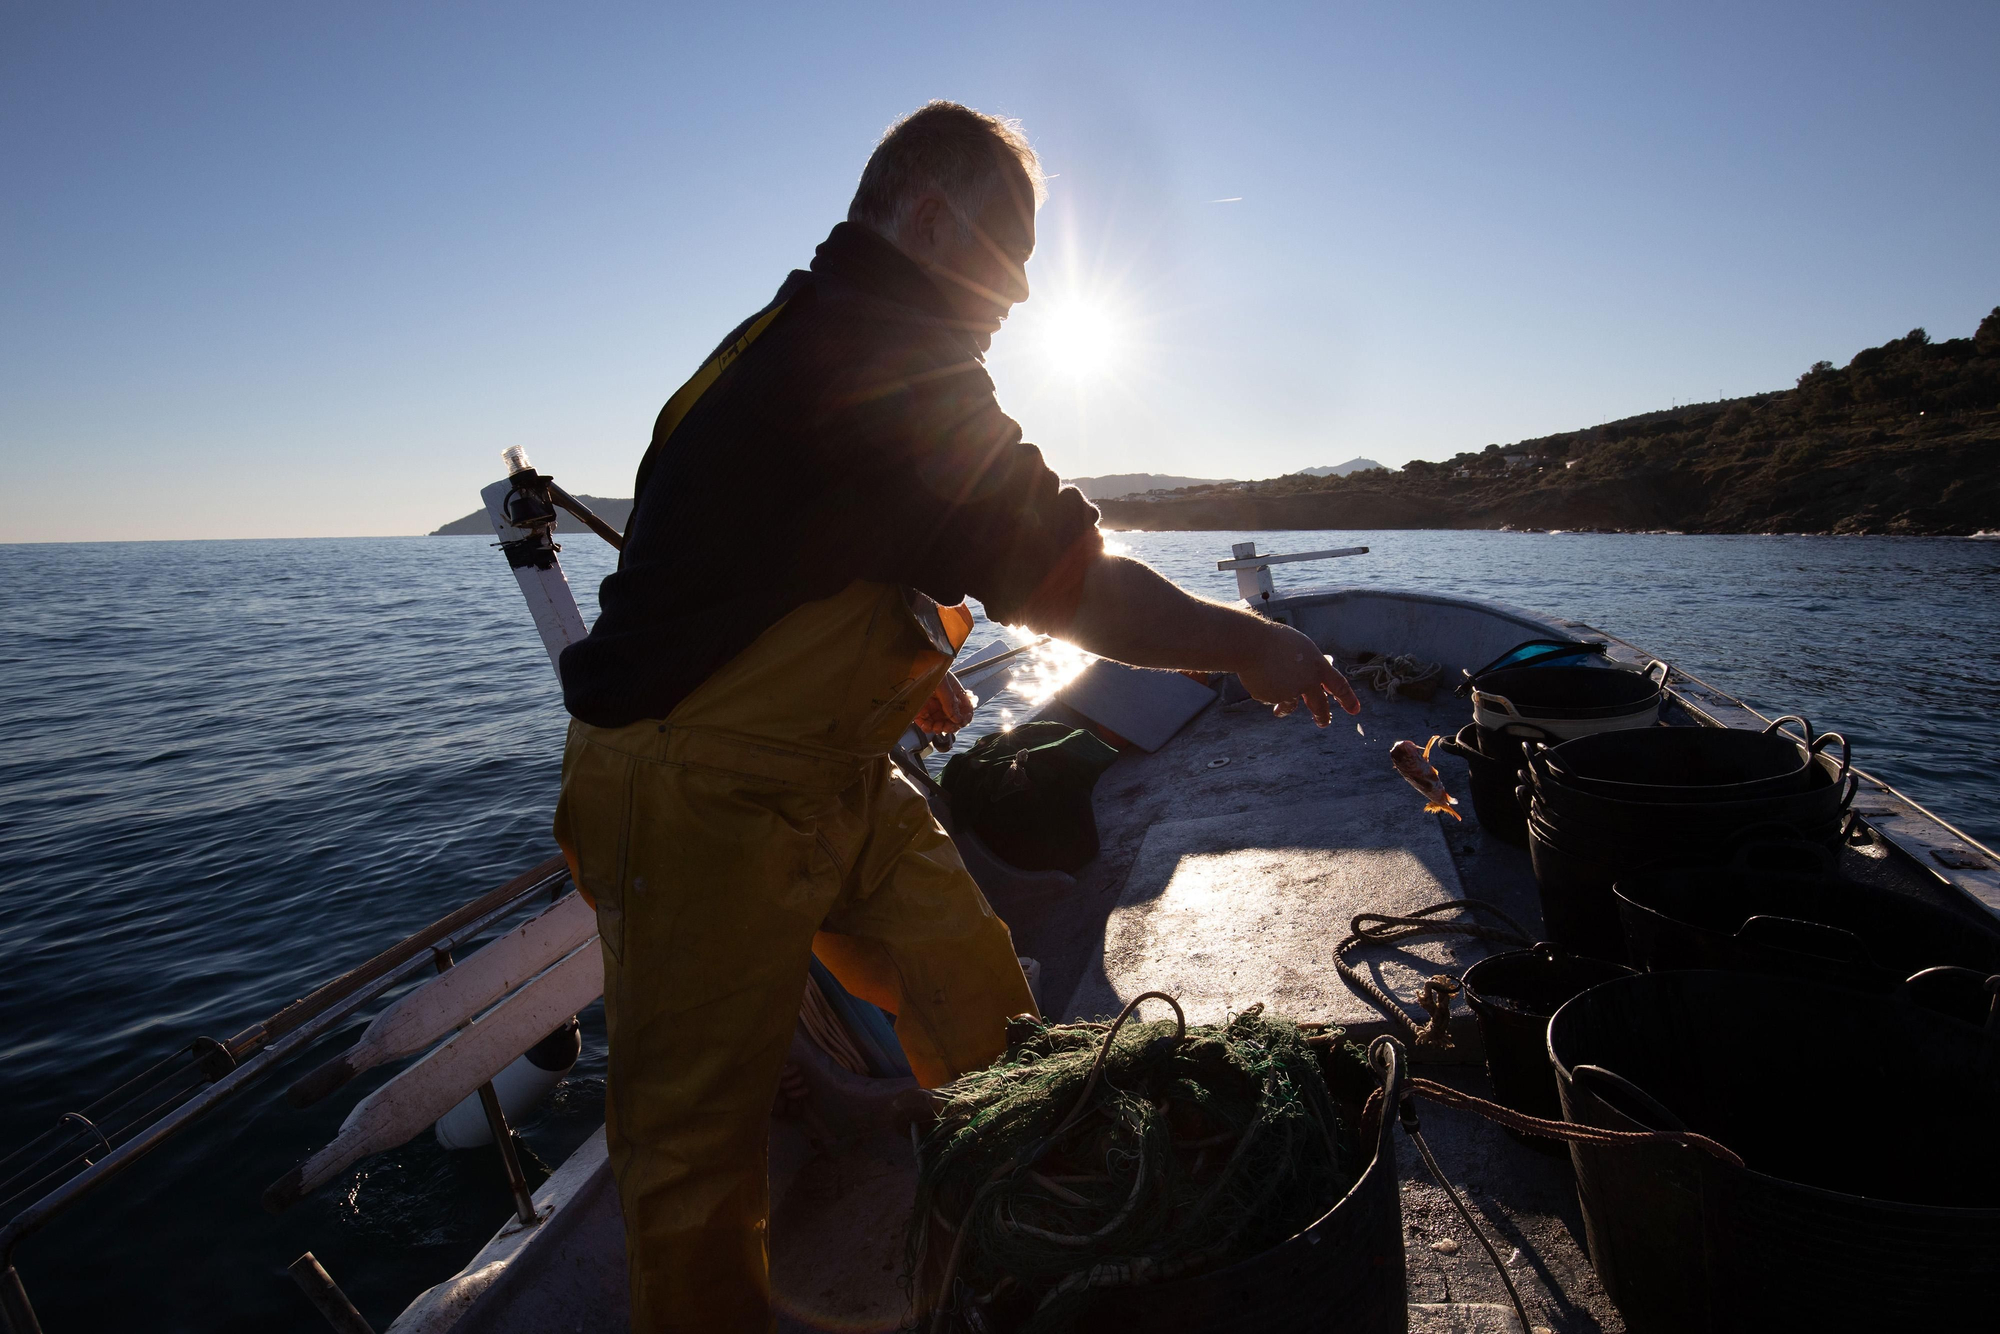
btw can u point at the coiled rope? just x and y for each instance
(1373, 928)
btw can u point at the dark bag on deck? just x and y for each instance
(1026, 793)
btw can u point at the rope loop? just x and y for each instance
(1374, 928)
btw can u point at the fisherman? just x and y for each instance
(816, 504)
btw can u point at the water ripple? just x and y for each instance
(237, 767)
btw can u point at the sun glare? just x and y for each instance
(1080, 339)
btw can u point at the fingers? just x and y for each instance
(1316, 704)
(958, 704)
(1337, 686)
(950, 707)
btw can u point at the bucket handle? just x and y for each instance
(1796, 935)
(1967, 977)
(1531, 753)
(1814, 745)
(1846, 753)
(1450, 746)
(1386, 1056)
(1662, 1118)
(1776, 723)
(1665, 671)
(1516, 725)
(1499, 704)
(1525, 732)
(1777, 831)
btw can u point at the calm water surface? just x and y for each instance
(238, 767)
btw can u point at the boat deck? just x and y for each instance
(1314, 812)
(1232, 860)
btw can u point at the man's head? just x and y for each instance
(956, 191)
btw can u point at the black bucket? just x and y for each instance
(1822, 795)
(1870, 1195)
(1681, 843)
(1578, 909)
(1512, 995)
(1576, 870)
(1344, 1272)
(1556, 703)
(1692, 764)
(1782, 909)
(1493, 761)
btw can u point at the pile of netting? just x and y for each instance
(1104, 1155)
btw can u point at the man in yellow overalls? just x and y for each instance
(816, 504)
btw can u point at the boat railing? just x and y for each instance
(91, 1146)
(1253, 572)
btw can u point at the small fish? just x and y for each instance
(1415, 767)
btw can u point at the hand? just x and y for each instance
(1290, 668)
(948, 709)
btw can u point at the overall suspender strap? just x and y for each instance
(690, 393)
(685, 397)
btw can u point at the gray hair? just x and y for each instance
(945, 149)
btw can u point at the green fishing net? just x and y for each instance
(1039, 1184)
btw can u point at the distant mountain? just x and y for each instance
(476, 524)
(1116, 484)
(1339, 469)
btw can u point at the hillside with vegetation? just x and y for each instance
(1905, 438)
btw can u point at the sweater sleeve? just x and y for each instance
(982, 514)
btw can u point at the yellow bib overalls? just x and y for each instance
(762, 821)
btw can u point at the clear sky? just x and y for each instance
(304, 270)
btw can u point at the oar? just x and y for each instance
(411, 1102)
(452, 998)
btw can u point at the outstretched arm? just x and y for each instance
(1133, 615)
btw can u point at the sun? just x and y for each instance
(1080, 338)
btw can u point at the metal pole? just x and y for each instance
(503, 1135)
(14, 1306)
(325, 1294)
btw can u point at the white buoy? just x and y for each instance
(520, 1087)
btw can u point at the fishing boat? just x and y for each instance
(1236, 850)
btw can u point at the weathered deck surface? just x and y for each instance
(1234, 860)
(1272, 854)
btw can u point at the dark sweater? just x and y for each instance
(857, 438)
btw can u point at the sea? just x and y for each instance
(238, 768)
